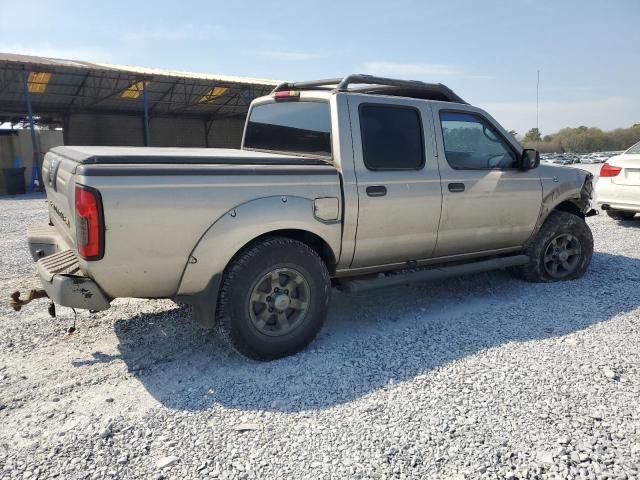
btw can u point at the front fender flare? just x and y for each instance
(577, 192)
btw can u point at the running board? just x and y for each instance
(435, 273)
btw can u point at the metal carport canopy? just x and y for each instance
(60, 87)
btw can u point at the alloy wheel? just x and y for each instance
(562, 255)
(279, 301)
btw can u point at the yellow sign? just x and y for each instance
(37, 82)
(212, 94)
(135, 89)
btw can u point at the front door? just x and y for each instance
(399, 194)
(487, 202)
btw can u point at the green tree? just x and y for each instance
(532, 135)
(583, 139)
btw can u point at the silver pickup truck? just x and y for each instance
(352, 183)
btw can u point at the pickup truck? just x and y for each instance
(351, 183)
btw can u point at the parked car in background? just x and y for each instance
(618, 187)
(571, 158)
(562, 160)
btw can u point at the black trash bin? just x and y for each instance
(14, 180)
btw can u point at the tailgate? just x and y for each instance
(59, 179)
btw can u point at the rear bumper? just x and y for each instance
(618, 197)
(630, 207)
(64, 283)
(60, 274)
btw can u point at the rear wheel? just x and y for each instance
(561, 250)
(620, 215)
(273, 299)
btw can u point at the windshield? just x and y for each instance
(290, 127)
(634, 149)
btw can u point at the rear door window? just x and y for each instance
(392, 137)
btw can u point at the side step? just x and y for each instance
(361, 285)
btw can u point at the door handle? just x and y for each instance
(456, 187)
(376, 191)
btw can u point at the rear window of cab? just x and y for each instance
(300, 127)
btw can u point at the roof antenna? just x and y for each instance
(538, 102)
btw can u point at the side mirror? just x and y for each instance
(530, 159)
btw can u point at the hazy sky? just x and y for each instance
(488, 51)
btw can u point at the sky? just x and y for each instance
(487, 51)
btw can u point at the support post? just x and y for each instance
(36, 172)
(145, 102)
(65, 129)
(206, 133)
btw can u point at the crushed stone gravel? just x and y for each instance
(482, 376)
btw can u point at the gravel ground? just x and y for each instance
(476, 377)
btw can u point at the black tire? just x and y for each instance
(563, 225)
(234, 319)
(620, 215)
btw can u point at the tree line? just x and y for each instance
(581, 140)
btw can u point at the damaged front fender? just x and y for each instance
(565, 188)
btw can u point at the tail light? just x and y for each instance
(287, 95)
(609, 170)
(89, 223)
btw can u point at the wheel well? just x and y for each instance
(569, 207)
(312, 240)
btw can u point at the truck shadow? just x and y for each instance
(372, 340)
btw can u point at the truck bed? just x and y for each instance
(159, 202)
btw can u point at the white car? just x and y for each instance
(618, 187)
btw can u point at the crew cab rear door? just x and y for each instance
(399, 193)
(488, 204)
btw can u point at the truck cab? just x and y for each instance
(413, 159)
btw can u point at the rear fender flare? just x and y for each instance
(244, 223)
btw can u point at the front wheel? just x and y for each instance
(561, 250)
(273, 299)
